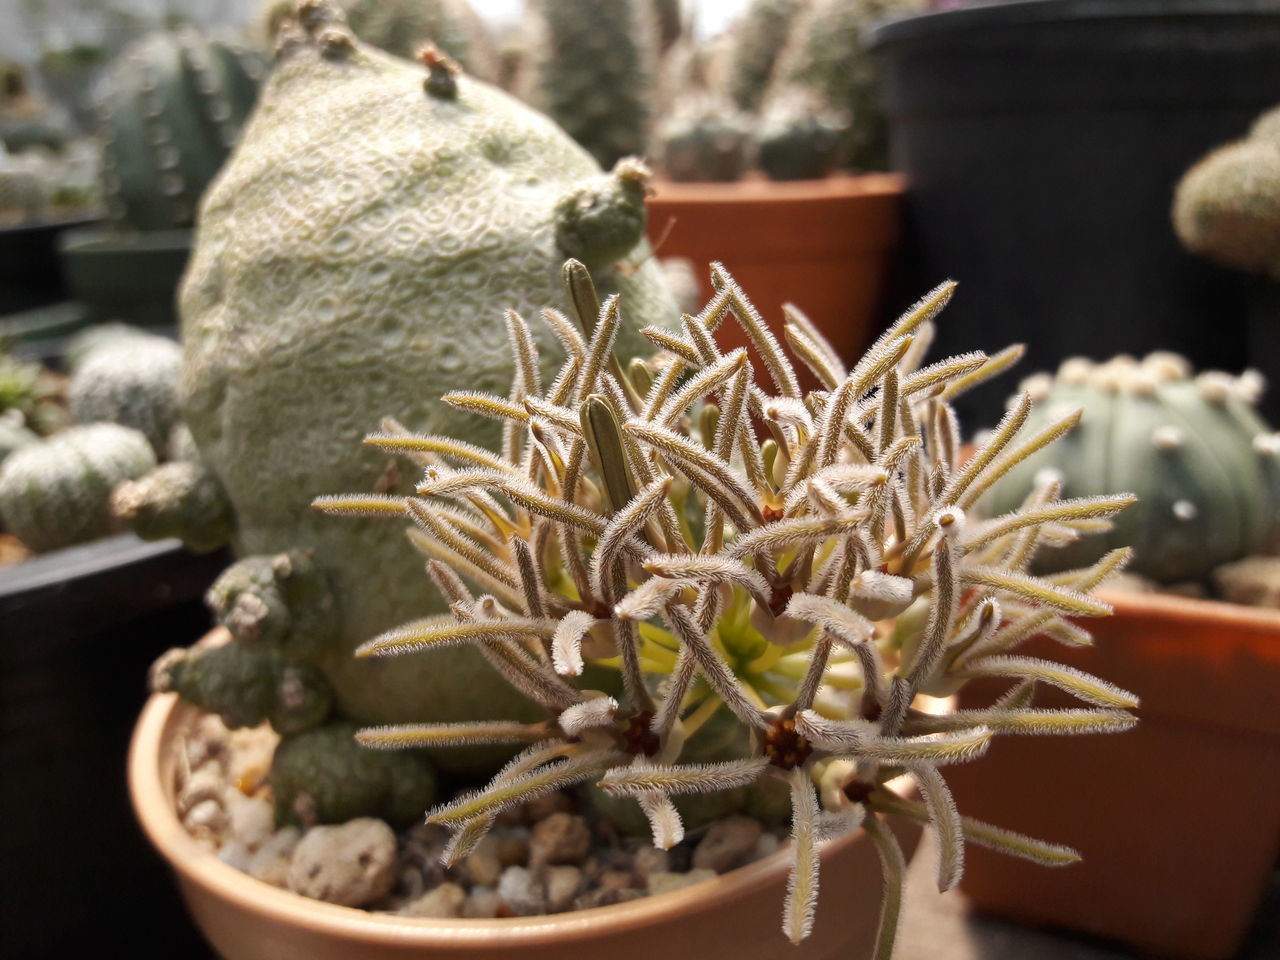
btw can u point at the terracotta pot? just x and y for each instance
(824, 245)
(737, 915)
(1178, 819)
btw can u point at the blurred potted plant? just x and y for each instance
(1042, 141)
(1207, 473)
(171, 114)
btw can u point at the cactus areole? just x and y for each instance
(345, 268)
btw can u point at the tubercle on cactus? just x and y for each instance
(815, 592)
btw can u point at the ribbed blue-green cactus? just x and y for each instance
(172, 110)
(1204, 466)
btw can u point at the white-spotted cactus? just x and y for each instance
(1205, 467)
(172, 111)
(57, 492)
(805, 591)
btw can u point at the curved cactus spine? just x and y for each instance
(172, 112)
(1205, 468)
(57, 492)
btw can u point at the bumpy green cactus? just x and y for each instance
(346, 262)
(596, 68)
(56, 493)
(827, 52)
(1206, 469)
(133, 382)
(756, 41)
(172, 111)
(180, 499)
(1227, 206)
(798, 136)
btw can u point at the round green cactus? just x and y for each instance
(798, 136)
(56, 493)
(1227, 206)
(596, 67)
(703, 139)
(345, 268)
(1205, 468)
(172, 111)
(133, 382)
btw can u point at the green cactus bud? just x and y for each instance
(598, 59)
(324, 776)
(798, 137)
(1227, 206)
(1205, 468)
(57, 492)
(133, 382)
(754, 49)
(281, 602)
(603, 220)
(181, 499)
(246, 686)
(173, 108)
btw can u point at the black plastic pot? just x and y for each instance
(78, 630)
(132, 277)
(30, 269)
(1042, 141)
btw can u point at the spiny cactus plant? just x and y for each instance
(1227, 206)
(24, 194)
(133, 382)
(372, 212)
(754, 49)
(172, 110)
(1205, 467)
(798, 136)
(596, 66)
(56, 493)
(630, 521)
(826, 52)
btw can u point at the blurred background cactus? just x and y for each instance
(1205, 467)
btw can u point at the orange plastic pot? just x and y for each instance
(737, 915)
(1178, 820)
(824, 245)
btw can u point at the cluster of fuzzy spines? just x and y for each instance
(633, 522)
(57, 492)
(172, 111)
(596, 68)
(1227, 206)
(1205, 466)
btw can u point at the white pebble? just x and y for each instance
(352, 864)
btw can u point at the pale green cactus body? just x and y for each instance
(1205, 467)
(596, 67)
(798, 136)
(133, 382)
(56, 493)
(14, 436)
(346, 263)
(173, 107)
(704, 139)
(1227, 206)
(180, 499)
